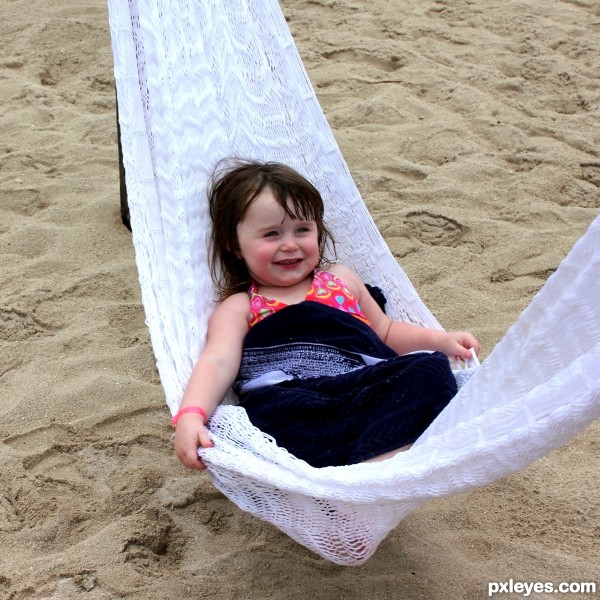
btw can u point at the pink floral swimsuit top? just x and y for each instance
(326, 288)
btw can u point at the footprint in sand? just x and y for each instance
(591, 172)
(26, 202)
(435, 230)
(17, 325)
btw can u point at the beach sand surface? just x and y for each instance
(472, 128)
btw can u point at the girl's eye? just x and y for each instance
(271, 234)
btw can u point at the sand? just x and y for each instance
(472, 128)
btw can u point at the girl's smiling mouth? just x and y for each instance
(288, 262)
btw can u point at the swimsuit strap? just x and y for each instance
(329, 289)
(261, 306)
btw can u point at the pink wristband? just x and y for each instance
(186, 411)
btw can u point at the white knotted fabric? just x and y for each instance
(199, 80)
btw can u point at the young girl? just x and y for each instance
(313, 358)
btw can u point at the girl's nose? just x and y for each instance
(288, 243)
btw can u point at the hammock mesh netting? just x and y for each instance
(199, 80)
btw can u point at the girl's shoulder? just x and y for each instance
(237, 301)
(235, 308)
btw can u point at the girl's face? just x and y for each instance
(279, 251)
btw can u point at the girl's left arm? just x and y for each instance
(405, 337)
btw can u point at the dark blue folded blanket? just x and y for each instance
(325, 386)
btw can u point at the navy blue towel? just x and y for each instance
(325, 386)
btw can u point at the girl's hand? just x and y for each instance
(457, 344)
(191, 434)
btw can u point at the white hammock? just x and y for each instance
(198, 80)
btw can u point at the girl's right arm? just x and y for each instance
(212, 376)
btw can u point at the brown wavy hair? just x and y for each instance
(235, 183)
